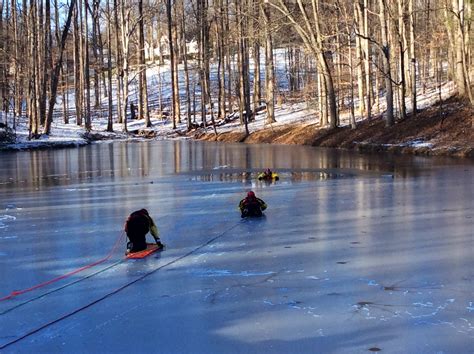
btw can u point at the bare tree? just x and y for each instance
(109, 68)
(309, 29)
(143, 90)
(413, 76)
(385, 47)
(174, 89)
(456, 23)
(269, 65)
(57, 69)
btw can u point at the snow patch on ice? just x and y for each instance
(5, 219)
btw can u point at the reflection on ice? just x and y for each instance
(285, 176)
(225, 273)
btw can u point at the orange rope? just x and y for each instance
(102, 260)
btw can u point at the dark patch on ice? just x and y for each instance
(334, 294)
(311, 238)
(389, 288)
(374, 349)
(287, 246)
(361, 304)
(294, 303)
(355, 243)
(341, 262)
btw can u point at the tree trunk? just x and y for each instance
(244, 83)
(360, 56)
(172, 59)
(269, 67)
(34, 84)
(126, 33)
(87, 81)
(221, 72)
(119, 65)
(175, 77)
(96, 49)
(77, 67)
(143, 89)
(109, 71)
(257, 94)
(57, 70)
(413, 75)
(389, 118)
(186, 68)
(402, 48)
(310, 33)
(367, 60)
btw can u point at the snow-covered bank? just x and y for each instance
(439, 129)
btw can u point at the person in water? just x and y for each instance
(268, 175)
(251, 205)
(138, 224)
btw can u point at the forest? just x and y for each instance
(75, 60)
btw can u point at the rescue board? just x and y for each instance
(150, 249)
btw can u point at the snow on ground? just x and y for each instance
(159, 77)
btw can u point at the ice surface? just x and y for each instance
(354, 252)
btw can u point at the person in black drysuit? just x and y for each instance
(251, 205)
(138, 224)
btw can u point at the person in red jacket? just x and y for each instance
(138, 224)
(251, 205)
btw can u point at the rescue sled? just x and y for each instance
(264, 177)
(150, 249)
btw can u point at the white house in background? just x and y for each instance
(164, 50)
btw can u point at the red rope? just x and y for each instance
(102, 260)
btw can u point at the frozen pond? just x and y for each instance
(355, 254)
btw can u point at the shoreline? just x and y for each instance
(444, 129)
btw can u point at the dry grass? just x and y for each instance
(447, 127)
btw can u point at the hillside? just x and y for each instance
(442, 129)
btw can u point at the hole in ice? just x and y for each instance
(341, 262)
(374, 349)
